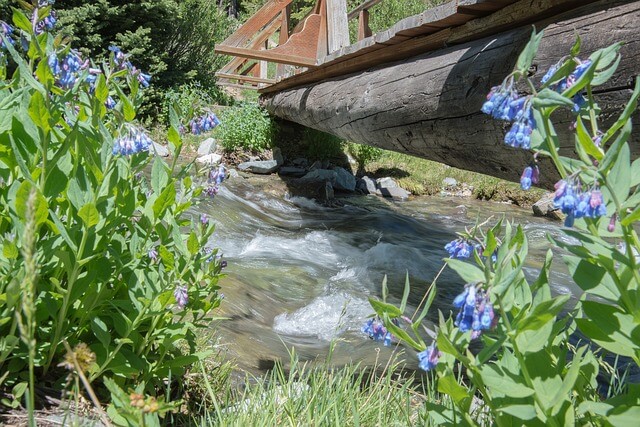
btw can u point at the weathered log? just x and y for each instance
(428, 105)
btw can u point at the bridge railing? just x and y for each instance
(362, 12)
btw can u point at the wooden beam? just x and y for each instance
(265, 15)
(337, 25)
(364, 6)
(364, 30)
(283, 37)
(243, 78)
(267, 55)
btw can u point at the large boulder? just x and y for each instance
(292, 171)
(277, 156)
(344, 180)
(386, 182)
(396, 193)
(321, 175)
(262, 167)
(368, 186)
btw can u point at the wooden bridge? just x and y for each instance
(418, 87)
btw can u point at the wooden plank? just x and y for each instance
(243, 78)
(258, 40)
(364, 30)
(429, 105)
(364, 6)
(283, 37)
(265, 15)
(268, 55)
(236, 85)
(337, 25)
(521, 13)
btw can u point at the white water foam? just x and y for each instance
(325, 317)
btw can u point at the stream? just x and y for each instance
(300, 274)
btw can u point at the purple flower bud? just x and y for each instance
(525, 179)
(181, 296)
(612, 223)
(204, 219)
(153, 255)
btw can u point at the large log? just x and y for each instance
(428, 105)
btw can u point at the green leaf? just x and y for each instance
(502, 382)
(192, 243)
(166, 199)
(39, 208)
(629, 109)
(468, 272)
(382, 308)
(529, 52)
(601, 77)
(612, 152)
(522, 412)
(21, 21)
(585, 141)
(544, 312)
(159, 175)
(611, 328)
(448, 385)
(575, 49)
(39, 112)
(405, 293)
(550, 98)
(89, 215)
(101, 331)
(631, 218)
(9, 249)
(619, 176)
(167, 257)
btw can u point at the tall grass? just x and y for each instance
(322, 395)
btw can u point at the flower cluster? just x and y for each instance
(577, 204)
(567, 82)
(204, 123)
(48, 22)
(216, 176)
(181, 296)
(6, 31)
(476, 311)
(66, 72)
(375, 329)
(121, 61)
(530, 175)
(504, 103)
(134, 141)
(459, 248)
(428, 359)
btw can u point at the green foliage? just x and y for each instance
(246, 126)
(174, 39)
(191, 99)
(92, 248)
(320, 145)
(527, 371)
(363, 154)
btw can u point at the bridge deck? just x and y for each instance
(452, 23)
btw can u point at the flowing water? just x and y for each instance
(299, 274)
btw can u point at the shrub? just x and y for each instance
(99, 251)
(528, 369)
(246, 126)
(364, 154)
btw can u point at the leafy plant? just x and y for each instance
(363, 154)
(246, 126)
(97, 243)
(527, 370)
(320, 145)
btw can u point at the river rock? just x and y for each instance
(320, 175)
(386, 182)
(316, 165)
(207, 146)
(160, 150)
(263, 167)
(209, 159)
(545, 207)
(300, 162)
(449, 183)
(233, 174)
(277, 156)
(292, 171)
(344, 180)
(367, 185)
(395, 193)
